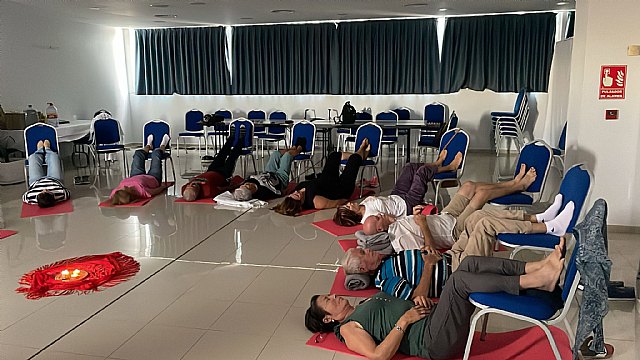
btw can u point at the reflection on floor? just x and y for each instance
(213, 284)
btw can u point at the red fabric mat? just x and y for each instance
(335, 229)
(525, 344)
(307, 212)
(137, 203)
(7, 233)
(199, 201)
(338, 287)
(347, 244)
(32, 210)
(429, 210)
(354, 196)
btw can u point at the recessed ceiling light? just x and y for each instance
(197, 3)
(283, 11)
(416, 5)
(561, 3)
(95, 8)
(159, 5)
(165, 16)
(443, 9)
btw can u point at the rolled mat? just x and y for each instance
(524, 344)
(338, 287)
(6, 233)
(335, 229)
(33, 210)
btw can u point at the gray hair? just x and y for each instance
(242, 194)
(351, 262)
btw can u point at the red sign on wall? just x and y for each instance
(613, 80)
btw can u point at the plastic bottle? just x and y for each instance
(31, 115)
(52, 115)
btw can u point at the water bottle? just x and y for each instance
(31, 115)
(52, 115)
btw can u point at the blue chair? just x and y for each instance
(33, 134)
(453, 121)
(538, 155)
(511, 125)
(107, 140)
(574, 187)
(373, 133)
(348, 135)
(158, 128)
(533, 309)
(455, 141)
(389, 121)
(435, 115)
(220, 130)
(403, 115)
(307, 130)
(242, 130)
(274, 134)
(193, 128)
(558, 152)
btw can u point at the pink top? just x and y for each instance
(140, 183)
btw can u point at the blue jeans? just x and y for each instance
(36, 165)
(280, 166)
(155, 170)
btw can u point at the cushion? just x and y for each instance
(513, 199)
(446, 175)
(114, 147)
(356, 281)
(539, 240)
(526, 305)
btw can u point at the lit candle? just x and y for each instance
(64, 274)
(75, 273)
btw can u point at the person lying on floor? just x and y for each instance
(45, 188)
(383, 324)
(407, 193)
(273, 181)
(442, 230)
(142, 184)
(330, 189)
(215, 180)
(410, 274)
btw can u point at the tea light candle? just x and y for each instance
(64, 274)
(75, 273)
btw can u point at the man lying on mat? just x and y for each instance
(383, 325)
(331, 188)
(409, 275)
(142, 184)
(407, 193)
(216, 179)
(45, 188)
(442, 230)
(274, 180)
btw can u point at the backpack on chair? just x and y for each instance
(348, 114)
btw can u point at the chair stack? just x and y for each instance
(511, 125)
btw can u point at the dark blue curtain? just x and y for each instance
(187, 61)
(283, 59)
(503, 53)
(388, 57)
(572, 24)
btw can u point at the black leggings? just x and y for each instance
(225, 160)
(333, 185)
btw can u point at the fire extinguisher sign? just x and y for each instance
(613, 80)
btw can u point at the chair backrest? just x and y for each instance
(106, 131)
(575, 187)
(37, 132)
(157, 128)
(403, 113)
(455, 140)
(453, 121)
(235, 128)
(226, 114)
(387, 118)
(193, 120)
(363, 116)
(307, 130)
(536, 154)
(563, 138)
(373, 132)
(571, 278)
(278, 116)
(257, 115)
(435, 113)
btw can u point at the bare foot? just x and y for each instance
(364, 149)
(47, 144)
(547, 276)
(455, 163)
(520, 175)
(528, 178)
(441, 157)
(40, 145)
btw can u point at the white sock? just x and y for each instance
(150, 140)
(165, 140)
(551, 211)
(559, 225)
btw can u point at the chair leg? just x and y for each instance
(485, 322)
(472, 328)
(552, 341)
(361, 179)
(395, 153)
(255, 169)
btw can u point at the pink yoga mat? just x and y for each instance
(199, 201)
(137, 203)
(335, 229)
(347, 244)
(32, 210)
(338, 287)
(6, 233)
(525, 344)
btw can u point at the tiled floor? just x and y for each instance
(205, 292)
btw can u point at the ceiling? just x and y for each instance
(174, 13)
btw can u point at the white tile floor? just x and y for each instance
(220, 299)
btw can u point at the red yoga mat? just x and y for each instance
(6, 233)
(524, 344)
(338, 287)
(199, 201)
(429, 210)
(347, 244)
(335, 229)
(32, 210)
(354, 196)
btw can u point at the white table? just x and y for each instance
(74, 130)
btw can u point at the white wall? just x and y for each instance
(603, 31)
(45, 58)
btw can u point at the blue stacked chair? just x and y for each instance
(373, 133)
(435, 115)
(454, 141)
(389, 122)
(193, 129)
(107, 140)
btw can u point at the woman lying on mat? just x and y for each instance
(214, 181)
(141, 184)
(45, 188)
(408, 193)
(331, 188)
(383, 324)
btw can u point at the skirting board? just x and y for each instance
(624, 229)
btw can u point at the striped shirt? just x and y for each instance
(60, 193)
(400, 274)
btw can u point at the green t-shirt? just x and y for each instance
(378, 316)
